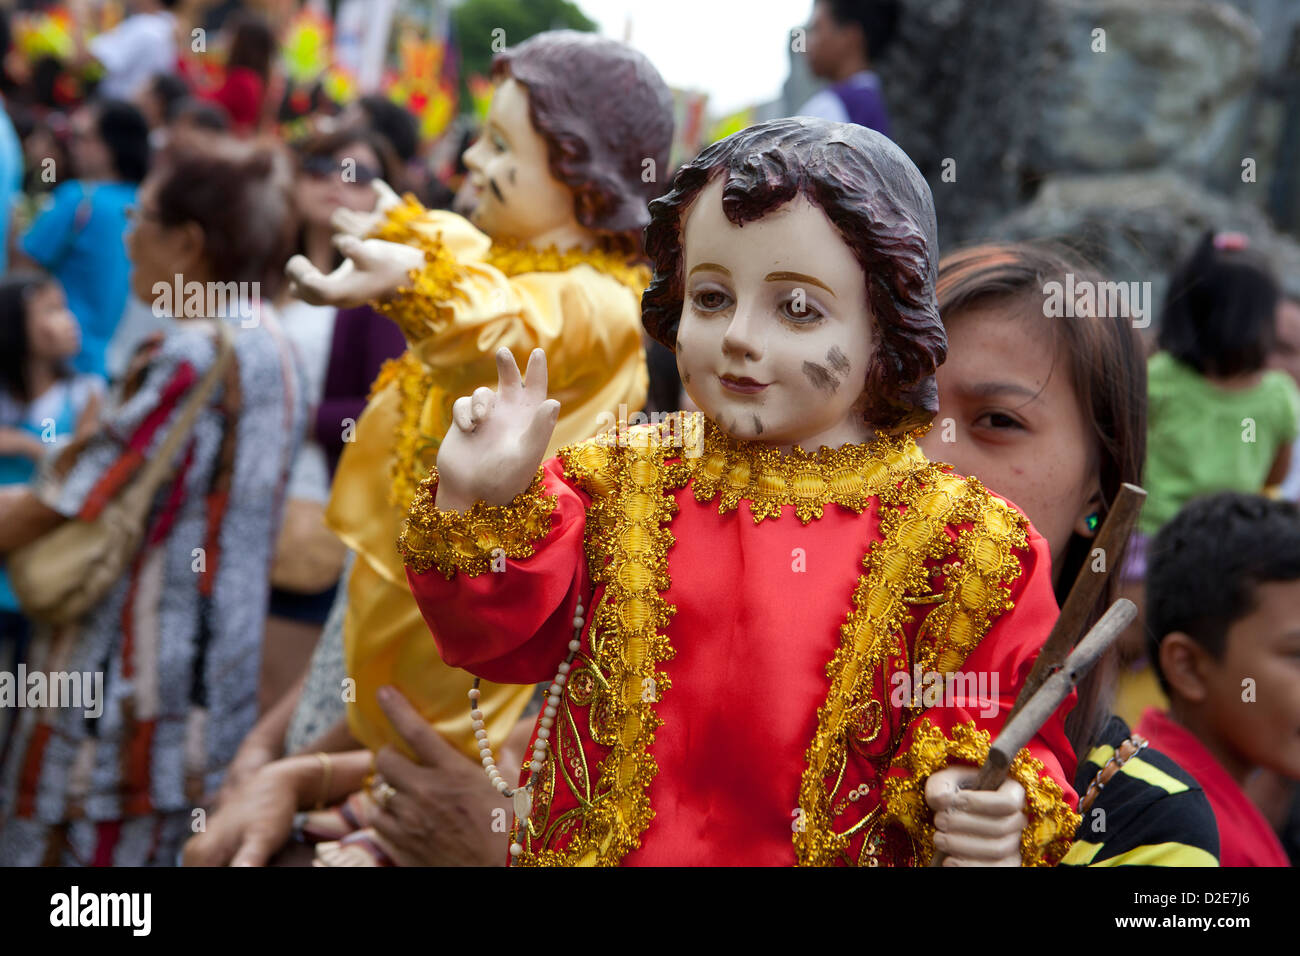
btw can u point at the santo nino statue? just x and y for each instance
(775, 632)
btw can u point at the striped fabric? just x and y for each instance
(1151, 813)
(178, 639)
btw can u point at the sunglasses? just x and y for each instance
(325, 167)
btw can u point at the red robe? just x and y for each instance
(745, 700)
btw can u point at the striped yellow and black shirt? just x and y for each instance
(1150, 813)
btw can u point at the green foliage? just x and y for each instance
(476, 19)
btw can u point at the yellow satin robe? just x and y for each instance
(471, 298)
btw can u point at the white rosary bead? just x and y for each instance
(577, 624)
(516, 849)
(489, 762)
(480, 733)
(559, 680)
(554, 700)
(476, 714)
(474, 693)
(548, 722)
(479, 725)
(575, 645)
(564, 667)
(543, 734)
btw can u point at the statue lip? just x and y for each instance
(746, 386)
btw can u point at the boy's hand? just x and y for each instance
(497, 439)
(976, 827)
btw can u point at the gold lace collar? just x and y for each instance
(514, 258)
(733, 471)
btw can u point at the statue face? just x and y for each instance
(510, 185)
(776, 335)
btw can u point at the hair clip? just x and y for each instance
(1233, 241)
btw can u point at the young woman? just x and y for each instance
(1051, 413)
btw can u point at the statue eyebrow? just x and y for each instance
(711, 267)
(797, 277)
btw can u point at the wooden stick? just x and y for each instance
(1111, 539)
(1021, 727)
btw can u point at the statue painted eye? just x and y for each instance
(710, 300)
(799, 312)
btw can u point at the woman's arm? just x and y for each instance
(15, 441)
(1281, 467)
(24, 518)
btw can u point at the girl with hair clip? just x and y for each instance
(551, 259)
(1052, 414)
(775, 632)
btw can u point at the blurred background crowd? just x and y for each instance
(1158, 141)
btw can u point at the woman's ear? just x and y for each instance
(187, 242)
(1088, 518)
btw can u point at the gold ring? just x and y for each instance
(383, 792)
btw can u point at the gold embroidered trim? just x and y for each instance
(627, 645)
(1052, 823)
(849, 476)
(470, 541)
(427, 304)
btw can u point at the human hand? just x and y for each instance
(497, 439)
(361, 224)
(976, 827)
(253, 823)
(443, 808)
(374, 269)
(251, 757)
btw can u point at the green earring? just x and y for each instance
(1092, 521)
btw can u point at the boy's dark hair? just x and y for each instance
(393, 122)
(1220, 313)
(1206, 562)
(877, 18)
(881, 207)
(124, 131)
(16, 291)
(603, 110)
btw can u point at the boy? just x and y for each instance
(1223, 606)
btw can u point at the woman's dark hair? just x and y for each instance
(16, 290)
(327, 144)
(171, 92)
(238, 193)
(1106, 364)
(124, 131)
(200, 114)
(393, 122)
(1220, 314)
(879, 204)
(253, 45)
(607, 118)
(1207, 561)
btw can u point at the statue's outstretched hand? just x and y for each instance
(497, 439)
(374, 269)
(361, 224)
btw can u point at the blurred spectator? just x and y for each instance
(138, 48)
(1286, 358)
(158, 101)
(11, 180)
(241, 91)
(197, 115)
(42, 404)
(78, 238)
(180, 651)
(844, 36)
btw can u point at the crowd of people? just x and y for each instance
(271, 656)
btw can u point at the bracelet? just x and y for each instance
(326, 767)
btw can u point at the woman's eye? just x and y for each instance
(498, 145)
(798, 311)
(999, 420)
(710, 300)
